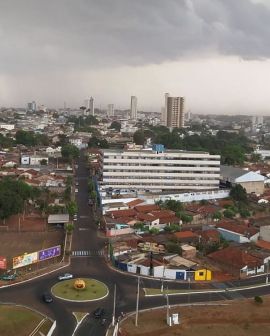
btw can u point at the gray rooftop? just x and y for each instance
(231, 172)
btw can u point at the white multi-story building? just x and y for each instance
(133, 107)
(110, 110)
(157, 169)
(89, 107)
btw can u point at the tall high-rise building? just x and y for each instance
(133, 108)
(110, 110)
(32, 106)
(89, 104)
(164, 111)
(175, 116)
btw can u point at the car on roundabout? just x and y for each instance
(99, 313)
(65, 276)
(47, 298)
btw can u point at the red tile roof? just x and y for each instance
(236, 257)
(185, 234)
(147, 208)
(238, 228)
(210, 235)
(135, 202)
(162, 213)
(145, 217)
(263, 244)
(122, 213)
(169, 220)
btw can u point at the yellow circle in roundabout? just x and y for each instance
(80, 290)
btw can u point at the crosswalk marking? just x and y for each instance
(89, 253)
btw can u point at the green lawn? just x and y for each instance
(94, 290)
(17, 321)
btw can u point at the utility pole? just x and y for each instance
(267, 273)
(168, 308)
(114, 303)
(137, 302)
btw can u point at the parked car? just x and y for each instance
(47, 298)
(65, 276)
(76, 190)
(8, 277)
(99, 312)
(90, 202)
(77, 184)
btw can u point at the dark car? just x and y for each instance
(99, 312)
(46, 297)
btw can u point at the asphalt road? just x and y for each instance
(85, 239)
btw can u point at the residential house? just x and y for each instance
(237, 261)
(239, 233)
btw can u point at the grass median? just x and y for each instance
(94, 290)
(17, 320)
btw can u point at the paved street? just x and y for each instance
(87, 261)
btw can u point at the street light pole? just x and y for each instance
(114, 303)
(137, 302)
(267, 273)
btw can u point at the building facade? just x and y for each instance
(133, 107)
(110, 110)
(175, 111)
(158, 170)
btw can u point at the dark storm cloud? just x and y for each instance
(39, 36)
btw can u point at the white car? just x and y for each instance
(76, 190)
(65, 276)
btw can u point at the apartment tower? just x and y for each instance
(110, 110)
(175, 111)
(133, 107)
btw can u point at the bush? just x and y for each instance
(258, 299)
(173, 248)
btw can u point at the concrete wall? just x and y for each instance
(253, 187)
(115, 232)
(265, 233)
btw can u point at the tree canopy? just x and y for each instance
(116, 125)
(70, 152)
(13, 193)
(231, 146)
(31, 139)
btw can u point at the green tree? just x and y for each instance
(255, 157)
(72, 208)
(43, 162)
(95, 142)
(69, 228)
(115, 125)
(139, 226)
(154, 230)
(186, 218)
(173, 247)
(10, 204)
(233, 155)
(229, 213)
(70, 152)
(238, 193)
(139, 137)
(217, 215)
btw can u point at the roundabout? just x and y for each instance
(80, 290)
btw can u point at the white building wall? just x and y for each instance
(169, 170)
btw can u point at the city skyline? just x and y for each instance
(215, 55)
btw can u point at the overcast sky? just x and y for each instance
(216, 53)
